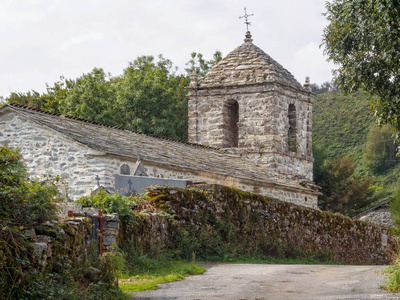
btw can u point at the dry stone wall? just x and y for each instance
(382, 216)
(257, 223)
(111, 223)
(69, 237)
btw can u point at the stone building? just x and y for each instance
(82, 152)
(249, 126)
(377, 214)
(248, 103)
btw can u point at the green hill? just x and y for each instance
(341, 123)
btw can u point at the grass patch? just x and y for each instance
(393, 282)
(156, 272)
(322, 259)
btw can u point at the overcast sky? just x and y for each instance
(44, 39)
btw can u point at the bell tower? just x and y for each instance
(251, 106)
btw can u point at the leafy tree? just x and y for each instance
(341, 122)
(363, 38)
(343, 191)
(49, 101)
(327, 86)
(27, 204)
(92, 97)
(23, 204)
(201, 66)
(319, 157)
(380, 150)
(146, 95)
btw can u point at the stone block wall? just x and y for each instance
(263, 124)
(47, 153)
(381, 216)
(73, 239)
(111, 224)
(257, 221)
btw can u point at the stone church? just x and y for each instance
(250, 126)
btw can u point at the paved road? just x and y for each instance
(275, 282)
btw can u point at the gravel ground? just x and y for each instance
(275, 282)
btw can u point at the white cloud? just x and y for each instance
(81, 39)
(310, 61)
(44, 39)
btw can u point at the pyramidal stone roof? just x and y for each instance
(248, 64)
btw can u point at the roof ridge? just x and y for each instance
(114, 127)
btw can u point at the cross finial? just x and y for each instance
(245, 17)
(98, 180)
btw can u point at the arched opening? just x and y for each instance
(292, 142)
(231, 128)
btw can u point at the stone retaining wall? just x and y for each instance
(69, 237)
(110, 223)
(256, 221)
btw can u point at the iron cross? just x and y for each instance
(245, 17)
(98, 180)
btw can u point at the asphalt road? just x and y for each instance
(256, 281)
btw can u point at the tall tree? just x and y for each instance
(93, 98)
(343, 191)
(201, 66)
(380, 150)
(146, 94)
(363, 38)
(149, 97)
(49, 100)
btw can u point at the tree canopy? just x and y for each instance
(149, 96)
(380, 150)
(343, 190)
(201, 66)
(363, 38)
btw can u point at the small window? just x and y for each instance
(231, 120)
(125, 170)
(292, 141)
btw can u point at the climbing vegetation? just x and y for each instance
(26, 206)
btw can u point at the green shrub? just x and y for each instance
(393, 282)
(26, 204)
(112, 203)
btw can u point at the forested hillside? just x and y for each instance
(355, 162)
(341, 123)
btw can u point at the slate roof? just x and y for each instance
(248, 64)
(383, 204)
(163, 151)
